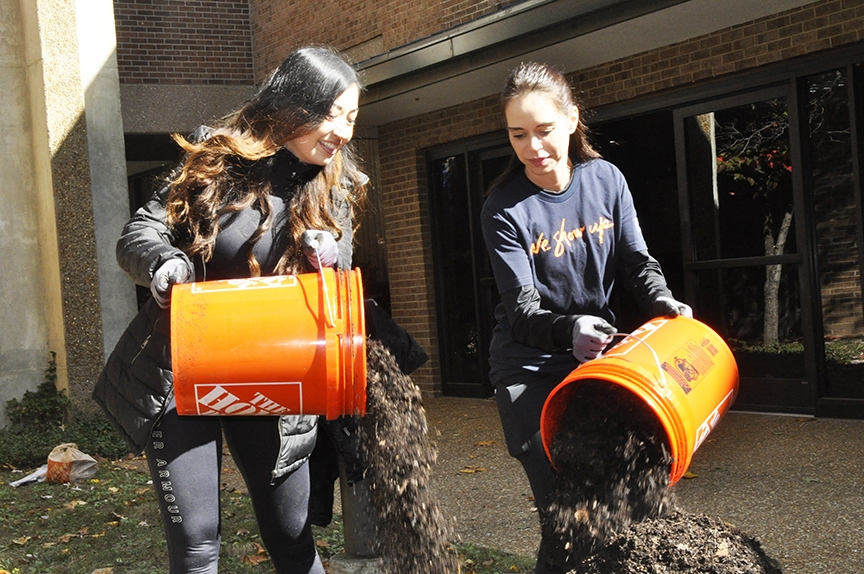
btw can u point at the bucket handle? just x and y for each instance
(662, 381)
(330, 323)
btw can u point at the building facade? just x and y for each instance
(737, 125)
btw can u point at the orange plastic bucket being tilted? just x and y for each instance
(282, 345)
(679, 368)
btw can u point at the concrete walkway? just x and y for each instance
(797, 484)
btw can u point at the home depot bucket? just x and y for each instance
(291, 344)
(680, 368)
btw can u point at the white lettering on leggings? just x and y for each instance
(166, 485)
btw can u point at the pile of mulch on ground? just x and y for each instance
(412, 534)
(612, 512)
(680, 543)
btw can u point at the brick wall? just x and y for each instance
(184, 42)
(406, 214)
(359, 28)
(812, 28)
(836, 236)
(816, 27)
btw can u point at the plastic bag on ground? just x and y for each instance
(37, 475)
(68, 464)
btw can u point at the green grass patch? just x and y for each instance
(112, 521)
(480, 560)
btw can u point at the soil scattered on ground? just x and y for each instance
(412, 534)
(680, 543)
(613, 513)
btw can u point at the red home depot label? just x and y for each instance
(249, 398)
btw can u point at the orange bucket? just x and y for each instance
(282, 345)
(680, 368)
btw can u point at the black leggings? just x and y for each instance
(520, 405)
(185, 458)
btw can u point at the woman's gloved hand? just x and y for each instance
(171, 272)
(320, 248)
(591, 335)
(669, 307)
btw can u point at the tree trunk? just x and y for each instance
(772, 280)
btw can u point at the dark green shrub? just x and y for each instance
(41, 420)
(39, 410)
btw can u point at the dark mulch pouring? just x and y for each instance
(613, 512)
(413, 536)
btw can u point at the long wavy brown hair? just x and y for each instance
(229, 170)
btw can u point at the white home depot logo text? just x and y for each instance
(248, 399)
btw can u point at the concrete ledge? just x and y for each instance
(153, 108)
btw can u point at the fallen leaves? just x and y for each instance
(472, 469)
(259, 556)
(470, 566)
(65, 538)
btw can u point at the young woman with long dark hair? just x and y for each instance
(250, 197)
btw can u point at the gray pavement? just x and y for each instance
(795, 483)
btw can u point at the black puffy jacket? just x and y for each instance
(136, 384)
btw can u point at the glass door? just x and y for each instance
(465, 292)
(744, 237)
(833, 154)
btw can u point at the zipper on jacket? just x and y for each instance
(278, 454)
(145, 342)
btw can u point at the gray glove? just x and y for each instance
(669, 307)
(320, 248)
(591, 335)
(171, 272)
